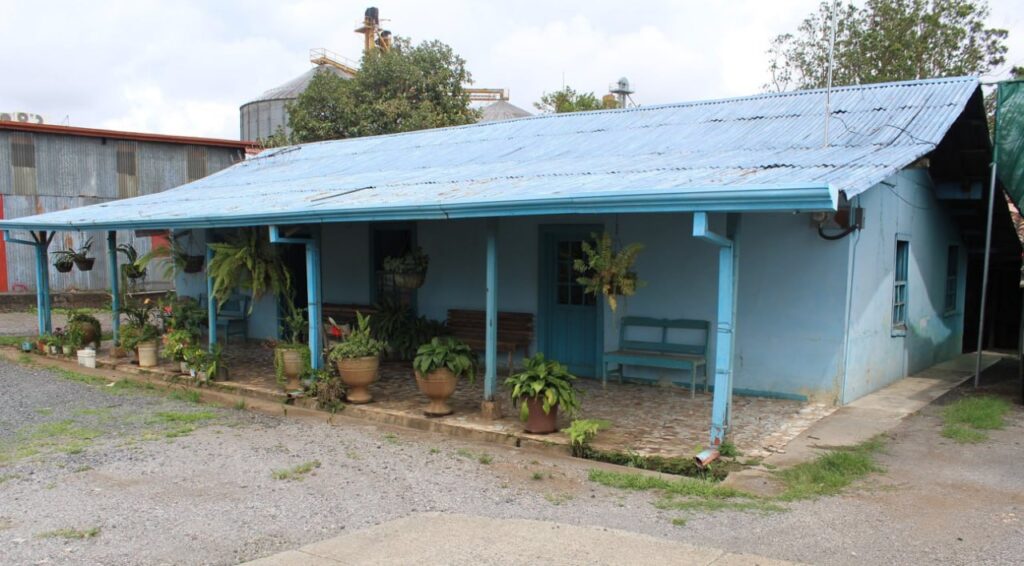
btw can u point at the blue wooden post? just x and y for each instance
(211, 302)
(724, 333)
(313, 296)
(115, 283)
(43, 282)
(491, 334)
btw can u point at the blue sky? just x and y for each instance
(184, 67)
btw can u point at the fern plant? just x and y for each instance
(608, 271)
(247, 261)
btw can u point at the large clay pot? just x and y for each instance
(357, 374)
(538, 422)
(292, 362)
(438, 386)
(146, 352)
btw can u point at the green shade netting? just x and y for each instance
(1009, 146)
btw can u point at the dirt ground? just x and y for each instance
(144, 483)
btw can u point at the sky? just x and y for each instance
(184, 67)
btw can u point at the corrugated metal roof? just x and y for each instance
(735, 154)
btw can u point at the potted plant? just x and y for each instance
(133, 269)
(204, 365)
(53, 343)
(358, 359)
(608, 271)
(64, 260)
(540, 390)
(87, 325)
(408, 270)
(291, 358)
(72, 339)
(43, 343)
(247, 261)
(139, 334)
(438, 365)
(81, 258)
(177, 259)
(175, 343)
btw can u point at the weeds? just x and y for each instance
(967, 419)
(829, 473)
(485, 459)
(71, 534)
(239, 405)
(172, 417)
(186, 395)
(296, 472)
(558, 498)
(537, 476)
(390, 438)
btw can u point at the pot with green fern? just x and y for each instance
(409, 270)
(358, 360)
(438, 366)
(63, 261)
(540, 390)
(175, 344)
(291, 356)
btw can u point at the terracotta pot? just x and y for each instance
(146, 354)
(538, 422)
(357, 374)
(85, 264)
(438, 386)
(41, 346)
(292, 362)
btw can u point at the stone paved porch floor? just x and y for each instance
(648, 419)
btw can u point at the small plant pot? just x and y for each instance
(64, 267)
(146, 354)
(41, 347)
(52, 349)
(539, 422)
(27, 346)
(193, 263)
(87, 358)
(67, 350)
(438, 386)
(183, 368)
(357, 374)
(292, 362)
(85, 264)
(410, 279)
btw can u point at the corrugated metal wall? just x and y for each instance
(259, 120)
(72, 171)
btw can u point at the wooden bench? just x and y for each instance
(515, 330)
(681, 351)
(232, 316)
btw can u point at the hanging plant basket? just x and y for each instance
(409, 270)
(85, 264)
(410, 279)
(133, 271)
(193, 263)
(64, 266)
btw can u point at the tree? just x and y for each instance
(568, 100)
(888, 40)
(406, 88)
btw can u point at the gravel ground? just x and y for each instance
(163, 487)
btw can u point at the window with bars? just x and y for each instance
(127, 169)
(899, 292)
(952, 278)
(23, 164)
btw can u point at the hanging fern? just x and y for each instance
(608, 271)
(247, 261)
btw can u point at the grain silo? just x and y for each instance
(261, 117)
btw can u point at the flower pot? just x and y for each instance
(64, 267)
(357, 374)
(292, 362)
(87, 358)
(193, 263)
(438, 386)
(410, 279)
(53, 349)
(85, 264)
(67, 350)
(183, 367)
(26, 346)
(134, 272)
(41, 346)
(146, 353)
(538, 422)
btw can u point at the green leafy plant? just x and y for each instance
(132, 268)
(74, 336)
(303, 352)
(133, 334)
(326, 386)
(608, 271)
(397, 325)
(360, 343)
(247, 261)
(208, 362)
(548, 381)
(582, 432)
(181, 313)
(76, 256)
(293, 323)
(175, 343)
(86, 325)
(413, 261)
(449, 353)
(176, 259)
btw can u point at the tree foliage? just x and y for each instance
(568, 100)
(406, 88)
(888, 40)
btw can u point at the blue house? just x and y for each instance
(829, 257)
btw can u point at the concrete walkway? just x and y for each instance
(433, 538)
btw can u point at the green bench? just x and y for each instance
(680, 344)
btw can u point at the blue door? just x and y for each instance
(569, 318)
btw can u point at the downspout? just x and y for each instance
(851, 270)
(722, 400)
(40, 242)
(312, 290)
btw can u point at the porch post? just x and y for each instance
(115, 282)
(724, 332)
(313, 296)
(43, 281)
(211, 302)
(491, 333)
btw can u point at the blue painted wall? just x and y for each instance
(904, 205)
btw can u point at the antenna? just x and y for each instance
(831, 63)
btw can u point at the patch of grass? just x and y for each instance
(390, 438)
(173, 417)
(537, 476)
(81, 469)
(687, 487)
(831, 472)
(679, 522)
(71, 534)
(183, 430)
(963, 435)
(186, 395)
(296, 472)
(79, 377)
(239, 405)
(558, 498)
(729, 450)
(465, 453)
(26, 360)
(485, 458)
(966, 419)
(15, 340)
(435, 450)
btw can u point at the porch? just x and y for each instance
(648, 419)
